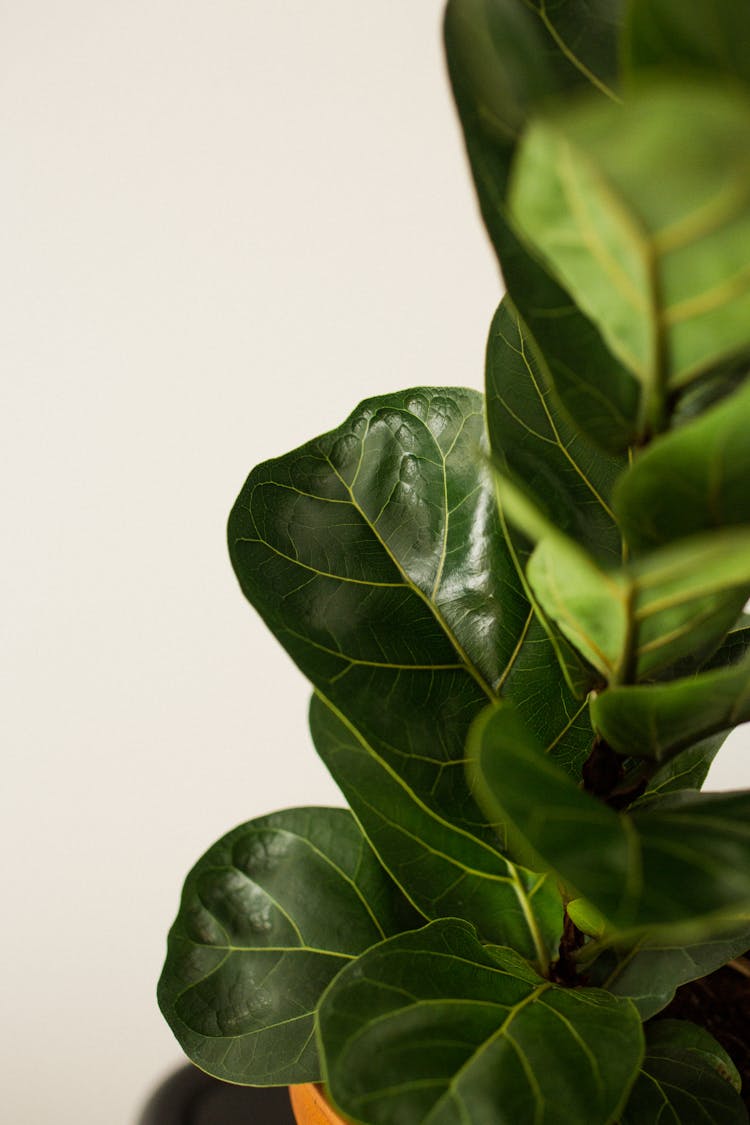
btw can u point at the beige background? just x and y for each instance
(222, 225)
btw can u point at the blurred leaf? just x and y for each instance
(680, 864)
(649, 973)
(660, 269)
(686, 1077)
(688, 770)
(441, 867)
(506, 59)
(431, 1026)
(690, 480)
(696, 37)
(673, 604)
(658, 720)
(251, 951)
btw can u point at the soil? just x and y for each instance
(721, 1003)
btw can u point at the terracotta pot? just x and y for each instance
(310, 1106)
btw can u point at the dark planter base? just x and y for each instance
(190, 1097)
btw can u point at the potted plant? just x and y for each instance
(522, 620)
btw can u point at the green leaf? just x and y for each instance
(679, 865)
(658, 720)
(686, 1077)
(442, 867)
(698, 37)
(662, 273)
(649, 973)
(375, 555)
(568, 477)
(690, 480)
(687, 770)
(432, 1028)
(674, 604)
(251, 951)
(505, 60)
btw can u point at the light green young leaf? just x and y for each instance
(691, 480)
(695, 38)
(658, 720)
(433, 1028)
(660, 270)
(680, 865)
(251, 952)
(686, 1077)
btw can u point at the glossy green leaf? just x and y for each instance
(682, 863)
(662, 272)
(690, 480)
(432, 1028)
(251, 950)
(506, 58)
(686, 1077)
(375, 555)
(442, 867)
(708, 37)
(649, 973)
(568, 477)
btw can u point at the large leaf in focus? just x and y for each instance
(658, 720)
(432, 1028)
(251, 950)
(681, 863)
(657, 261)
(571, 479)
(443, 868)
(649, 973)
(698, 37)
(686, 1077)
(375, 555)
(506, 59)
(691, 480)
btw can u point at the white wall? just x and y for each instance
(222, 225)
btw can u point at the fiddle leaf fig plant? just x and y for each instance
(521, 614)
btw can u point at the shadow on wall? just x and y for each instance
(190, 1097)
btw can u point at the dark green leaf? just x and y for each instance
(709, 37)
(570, 479)
(251, 950)
(691, 480)
(681, 863)
(686, 1077)
(687, 770)
(442, 867)
(375, 555)
(662, 273)
(432, 1028)
(649, 973)
(506, 59)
